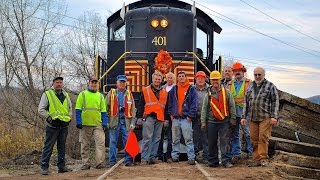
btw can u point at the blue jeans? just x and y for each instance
(53, 134)
(221, 131)
(151, 135)
(236, 142)
(184, 126)
(113, 135)
(200, 139)
(246, 134)
(166, 138)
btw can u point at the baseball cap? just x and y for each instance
(58, 78)
(201, 74)
(93, 78)
(121, 78)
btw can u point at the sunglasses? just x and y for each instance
(257, 74)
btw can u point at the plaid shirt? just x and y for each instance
(261, 103)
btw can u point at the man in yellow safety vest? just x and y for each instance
(91, 119)
(56, 107)
(238, 88)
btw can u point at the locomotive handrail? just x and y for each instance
(195, 55)
(125, 53)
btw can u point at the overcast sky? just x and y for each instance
(291, 70)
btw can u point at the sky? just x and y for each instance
(290, 69)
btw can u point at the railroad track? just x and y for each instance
(201, 171)
(162, 171)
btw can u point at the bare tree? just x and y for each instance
(84, 42)
(28, 44)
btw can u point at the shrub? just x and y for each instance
(15, 142)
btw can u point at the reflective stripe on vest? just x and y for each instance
(152, 104)
(84, 105)
(239, 97)
(114, 103)
(58, 110)
(219, 107)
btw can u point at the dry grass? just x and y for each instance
(14, 141)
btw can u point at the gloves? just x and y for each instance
(139, 122)
(105, 127)
(79, 126)
(49, 119)
(132, 126)
(53, 122)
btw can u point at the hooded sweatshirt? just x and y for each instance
(182, 91)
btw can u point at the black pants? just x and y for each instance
(221, 131)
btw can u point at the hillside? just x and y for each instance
(314, 99)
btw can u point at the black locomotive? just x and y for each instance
(152, 25)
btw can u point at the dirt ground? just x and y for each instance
(159, 171)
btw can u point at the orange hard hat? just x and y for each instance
(238, 66)
(201, 74)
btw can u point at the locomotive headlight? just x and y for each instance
(154, 23)
(164, 23)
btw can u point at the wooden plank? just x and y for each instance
(298, 115)
(103, 176)
(294, 146)
(285, 133)
(298, 159)
(204, 172)
(284, 96)
(298, 171)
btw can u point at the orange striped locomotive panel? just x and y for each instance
(138, 76)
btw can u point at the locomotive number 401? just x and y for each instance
(159, 41)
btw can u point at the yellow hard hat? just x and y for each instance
(215, 75)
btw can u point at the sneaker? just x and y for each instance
(129, 164)
(254, 163)
(264, 162)
(213, 165)
(175, 160)
(64, 169)
(44, 172)
(101, 166)
(143, 162)
(205, 161)
(191, 162)
(169, 160)
(85, 167)
(111, 164)
(235, 159)
(151, 161)
(228, 165)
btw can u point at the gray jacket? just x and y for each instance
(43, 107)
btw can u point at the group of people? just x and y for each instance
(208, 117)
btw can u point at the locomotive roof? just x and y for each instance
(204, 21)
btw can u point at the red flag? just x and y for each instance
(132, 145)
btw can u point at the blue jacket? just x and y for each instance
(190, 104)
